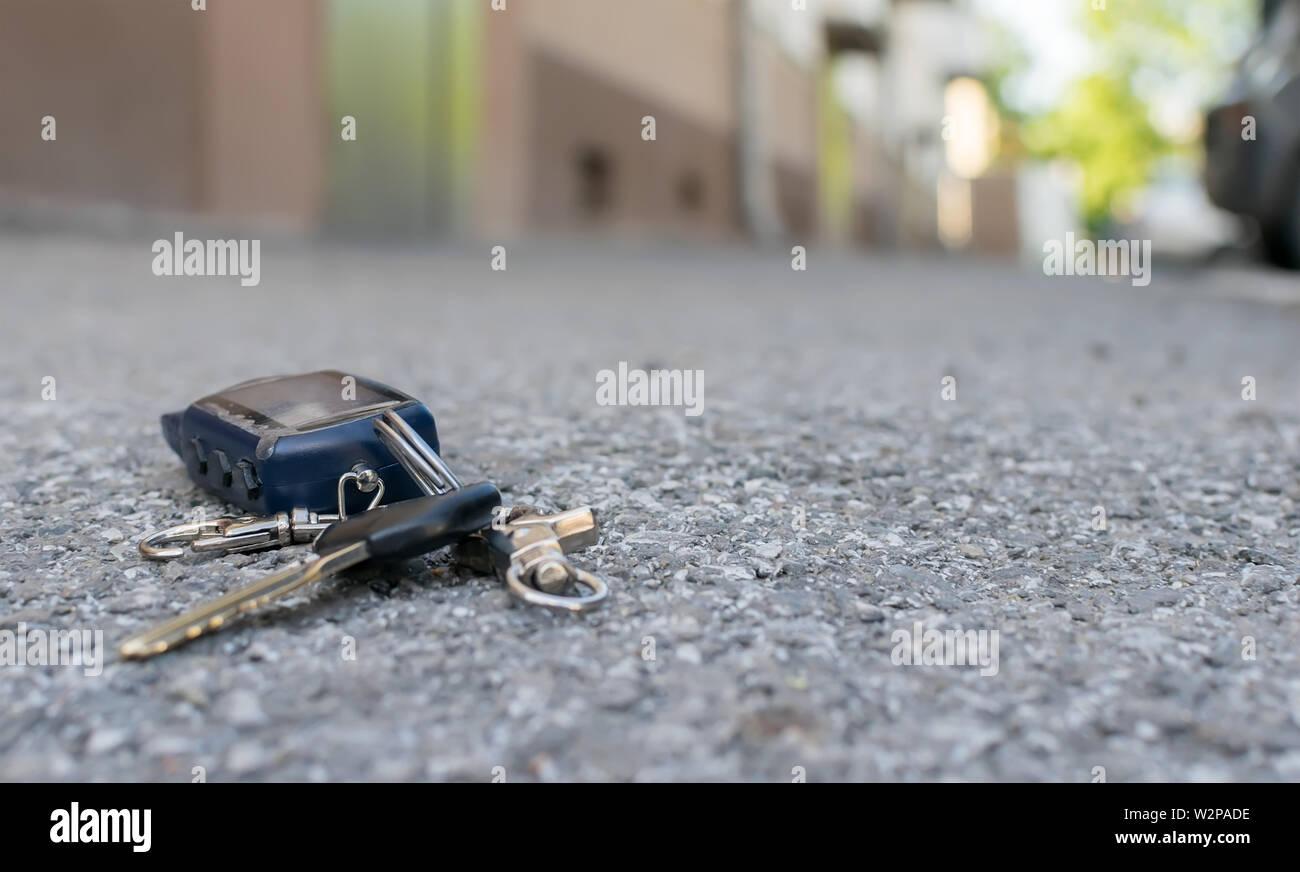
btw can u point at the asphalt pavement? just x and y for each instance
(886, 444)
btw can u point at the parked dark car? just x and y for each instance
(1253, 139)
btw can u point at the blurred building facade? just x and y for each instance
(496, 117)
(158, 107)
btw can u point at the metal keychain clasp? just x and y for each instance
(234, 535)
(523, 547)
(527, 550)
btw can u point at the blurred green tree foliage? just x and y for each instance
(1151, 59)
(1104, 129)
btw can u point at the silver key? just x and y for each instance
(402, 530)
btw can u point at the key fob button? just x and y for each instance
(200, 455)
(248, 480)
(221, 467)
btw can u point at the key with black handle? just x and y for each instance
(399, 531)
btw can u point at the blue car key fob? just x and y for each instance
(274, 444)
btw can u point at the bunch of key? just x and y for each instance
(525, 548)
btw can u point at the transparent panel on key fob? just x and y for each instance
(300, 403)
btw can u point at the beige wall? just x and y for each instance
(263, 128)
(789, 108)
(162, 107)
(123, 83)
(225, 112)
(995, 217)
(568, 82)
(505, 158)
(593, 171)
(675, 52)
(789, 131)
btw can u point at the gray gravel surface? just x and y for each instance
(1119, 648)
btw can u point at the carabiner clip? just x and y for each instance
(250, 533)
(161, 544)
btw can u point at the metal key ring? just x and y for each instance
(366, 480)
(533, 596)
(252, 533)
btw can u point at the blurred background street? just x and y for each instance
(979, 126)
(840, 213)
